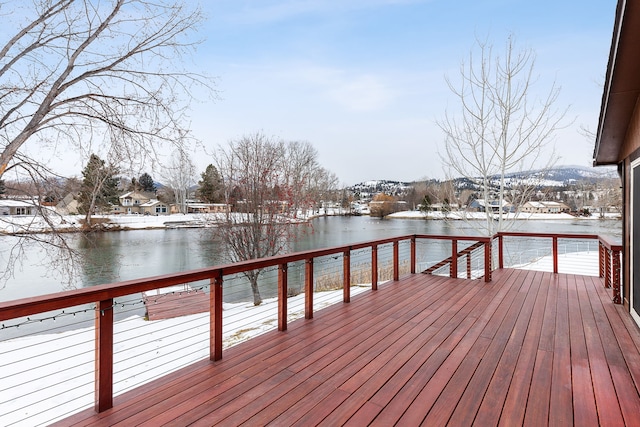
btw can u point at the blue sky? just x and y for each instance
(364, 81)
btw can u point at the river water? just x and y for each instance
(124, 255)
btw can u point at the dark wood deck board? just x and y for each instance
(528, 348)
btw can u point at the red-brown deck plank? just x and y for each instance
(609, 412)
(528, 348)
(499, 386)
(561, 403)
(584, 404)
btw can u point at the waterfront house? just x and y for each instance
(142, 203)
(154, 207)
(197, 207)
(481, 205)
(544, 207)
(618, 139)
(18, 207)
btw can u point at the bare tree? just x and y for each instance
(79, 76)
(502, 126)
(180, 177)
(265, 181)
(77, 73)
(251, 170)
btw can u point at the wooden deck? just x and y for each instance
(528, 348)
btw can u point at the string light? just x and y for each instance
(30, 320)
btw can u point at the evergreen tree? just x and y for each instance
(99, 187)
(146, 183)
(133, 186)
(210, 186)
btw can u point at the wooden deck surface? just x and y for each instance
(528, 348)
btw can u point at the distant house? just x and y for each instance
(141, 203)
(154, 207)
(196, 207)
(18, 207)
(68, 205)
(481, 205)
(443, 207)
(544, 207)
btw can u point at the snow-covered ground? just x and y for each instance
(12, 224)
(27, 223)
(48, 377)
(482, 216)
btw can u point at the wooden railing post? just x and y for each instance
(215, 317)
(615, 276)
(282, 297)
(607, 268)
(374, 267)
(308, 289)
(346, 274)
(453, 269)
(601, 258)
(487, 261)
(413, 255)
(555, 253)
(500, 252)
(469, 266)
(104, 355)
(396, 261)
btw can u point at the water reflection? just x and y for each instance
(101, 258)
(124, 255)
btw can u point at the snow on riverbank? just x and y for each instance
(481, 216)
(69, 223)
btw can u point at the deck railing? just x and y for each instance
(555, 245)
(103, 298)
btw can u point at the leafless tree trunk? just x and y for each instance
(502, 126)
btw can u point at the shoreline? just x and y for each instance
(23, 225)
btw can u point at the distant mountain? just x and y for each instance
(565, 175)
(568, 174)
(378, 186)
(558, 176)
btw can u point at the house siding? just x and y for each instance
(631, 142)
